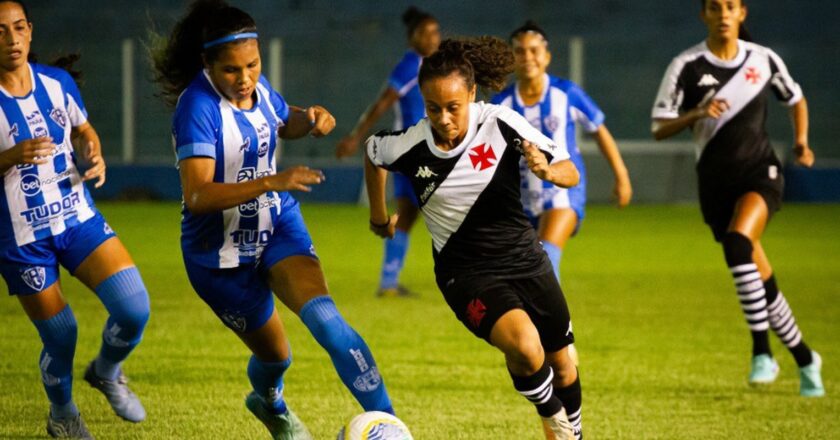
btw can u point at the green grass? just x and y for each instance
(663, 345)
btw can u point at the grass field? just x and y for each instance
(664, 348)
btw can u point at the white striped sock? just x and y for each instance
(751, 294)
(783, 323)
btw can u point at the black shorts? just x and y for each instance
(719, 195)
(480, 300)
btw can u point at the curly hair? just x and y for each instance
(178, 59)
(484, 61)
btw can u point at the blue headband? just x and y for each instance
(229, 38)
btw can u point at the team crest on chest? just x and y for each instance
(482, 157)
(551, 122)
(59, 117)
(34, 277)
(752, 75)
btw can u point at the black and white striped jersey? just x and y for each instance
(738, 140)
(470, 195)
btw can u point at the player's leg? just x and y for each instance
(556, 226)
(397, 247)
(94, 255)
(295, 275)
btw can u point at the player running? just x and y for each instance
(718, 89)
(48, 218)
(403, 94)
(243, 235)
(463, 165)
(554, 105)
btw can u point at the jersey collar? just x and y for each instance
(475, 109)
(227, 102)
(31, 77)
(728, 64)
(518, 97)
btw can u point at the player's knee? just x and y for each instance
(737, 248)
(126, 299)
(525, 353)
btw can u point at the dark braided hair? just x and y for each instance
(484, 61)
(178, 59)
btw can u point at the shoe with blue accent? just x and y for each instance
(764, 370)
(124, 402)
(71, 427)
(810, 379)
(281, 426)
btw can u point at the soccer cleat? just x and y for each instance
(810, 380)
(560, 426)
(124, 402)
(71, 427)
(764, 370)
(281, 426)
(394, 292)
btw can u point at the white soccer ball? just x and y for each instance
(375, 425)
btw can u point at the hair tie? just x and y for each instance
(229, 38)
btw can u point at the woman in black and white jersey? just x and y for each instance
(718, 89)
(463, 164)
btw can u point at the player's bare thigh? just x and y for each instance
(44, 304)
(557, 225)
(269, 342)
(296, 280)
(750, 219)
(107, 259)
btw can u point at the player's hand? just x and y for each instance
(537, 162)
(297, 178)
(93, 156)
(321, 120)
(714, 108)
(385, 228)
(623, 192)
(803, 154)
(33, 151)
(347, 146)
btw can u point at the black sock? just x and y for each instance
(571, 397)
(537, 388)
(784, 324)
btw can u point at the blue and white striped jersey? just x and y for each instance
(563, 104)
(41, 201)
(409, 109)
(242, 142)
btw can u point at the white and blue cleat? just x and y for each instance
(764, 370)
(810, 379)
(281, 426)
(124, 402)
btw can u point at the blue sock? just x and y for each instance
(350, 355)
(127, 301)
(554, 254)
(59, 337)
(395, 250)
(267, 380)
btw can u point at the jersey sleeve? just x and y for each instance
(195, 128)
(784, 87)
(278, 103)
(403, 77)
(380, 150)
(515, 128)
(584, 111)
(76, 111)
(671, 93)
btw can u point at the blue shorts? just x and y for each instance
(33, 267)
(241, 296)
(539, 196)
(403, 188)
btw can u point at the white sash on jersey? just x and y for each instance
(738, 92)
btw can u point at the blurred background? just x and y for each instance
(339, 53)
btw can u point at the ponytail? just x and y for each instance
(176, 60)
(484, 61)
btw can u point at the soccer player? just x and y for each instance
(403, 94)
(243, 235)
(553, 105)
(463, 164)
(718, 89)
(48, 218)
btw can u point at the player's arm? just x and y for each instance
(350, 143)
(31, 151)
(89, 148)
(663, 128)
(204, 196)
(381, 223)
(314, 120)
(802, 151)
(622, 191)
(563, 173)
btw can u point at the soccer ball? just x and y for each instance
(375, 425)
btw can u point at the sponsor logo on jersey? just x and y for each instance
(65, 206)
(30, 184)
(252, 208)
(424, 172)
(482, 157)
(40, 132)
(245, 145)
(59, 117)
(236, 322)
(250, 173)
(14, 131)
(263, 136)
(34, 277)
(428, 192)
(707, 80)
(752, 75)
(779, 82)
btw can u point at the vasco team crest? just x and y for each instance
(59, 117)
(34, 277)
